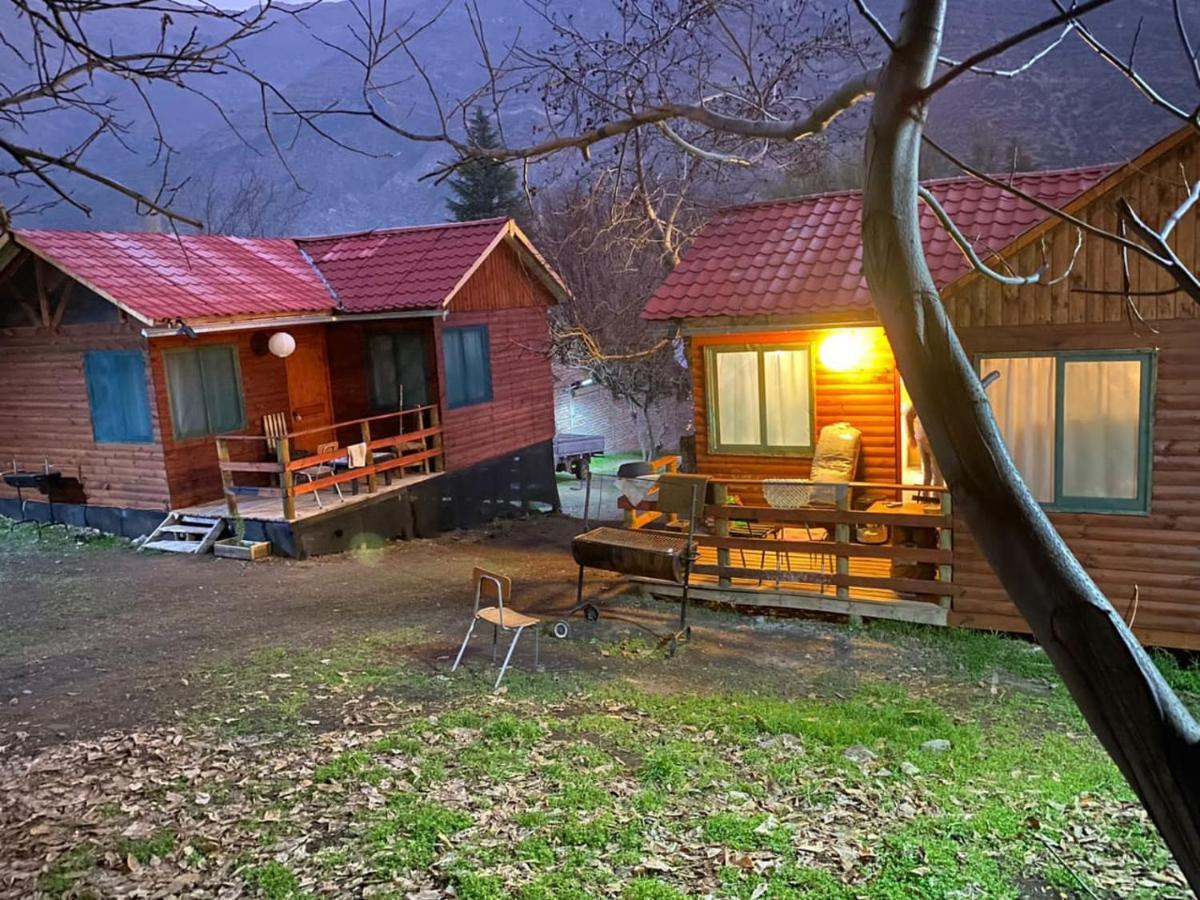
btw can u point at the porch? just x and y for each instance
(356, 463)
(878, 550)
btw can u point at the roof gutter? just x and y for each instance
(288, 321)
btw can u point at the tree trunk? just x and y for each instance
(1125, 700)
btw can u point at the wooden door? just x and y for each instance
(309, 395)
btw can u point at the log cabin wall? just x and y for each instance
(506, 297)
(191, 463)
(1159, 553)
(867, 397)
(46, 416)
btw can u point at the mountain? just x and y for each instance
(1068, 109)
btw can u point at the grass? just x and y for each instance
(274, 881)
(610, 462)
(158, 845)
(18, 537)
(278, 689)
(583, 787)
(68, 869)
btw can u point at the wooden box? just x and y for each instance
(232, 548)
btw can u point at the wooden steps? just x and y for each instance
(180, 533)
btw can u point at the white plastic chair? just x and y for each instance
(501, 619)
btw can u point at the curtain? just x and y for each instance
(185, 388)
(1023, 403)
(1101, 436)
(222, 389)
(737, 398)
(786, 384)
(120, 407)
(468, 365)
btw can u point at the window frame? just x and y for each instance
(373, 404)
(1138, 505)
(712, 401)
(143, 437)
(241, 389)
(489, 394)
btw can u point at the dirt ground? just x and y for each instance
(98, 639)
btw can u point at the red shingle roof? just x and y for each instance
(401, 268)
(804, 256)
(159, 277)
(162, 276)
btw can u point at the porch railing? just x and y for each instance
(417, 444)
(747, 544)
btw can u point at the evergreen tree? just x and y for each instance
(483, 188)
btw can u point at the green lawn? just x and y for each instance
(576, 786)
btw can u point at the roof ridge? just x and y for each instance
(950, 179)
(152, 234)
(397, 229)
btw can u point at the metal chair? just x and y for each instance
(501, 619)
(320, 470)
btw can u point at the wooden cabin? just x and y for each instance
(1098, 398)
(319, 392)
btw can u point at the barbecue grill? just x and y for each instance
(43, 482)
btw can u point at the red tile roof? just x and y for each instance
(804, 256)
(161, 276)
(402, 268)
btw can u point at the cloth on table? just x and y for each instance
(635, 490)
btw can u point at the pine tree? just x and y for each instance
(483, 188)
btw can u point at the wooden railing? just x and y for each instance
(739, 523)
(417, 444)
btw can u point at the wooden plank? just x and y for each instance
(63, 299)
(231, 504)
(43, 299)
(841, 533)
(287, 481)
(865, 551)
(842, 580)
(372, 478)
(235, 466)
(899, 610)
(817, 515)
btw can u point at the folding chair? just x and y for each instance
(312, 473)
(502, 619)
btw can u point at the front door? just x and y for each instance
(308, 389)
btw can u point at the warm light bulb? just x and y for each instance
(842, 350)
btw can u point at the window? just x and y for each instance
(116, 387)
(760, 399)
(205, 388)
(468, 365)
(396, 362)
(1077, 425)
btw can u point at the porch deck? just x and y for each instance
(757, 556)
(269, 509)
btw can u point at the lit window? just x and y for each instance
(760, 399)
(1077, 425)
